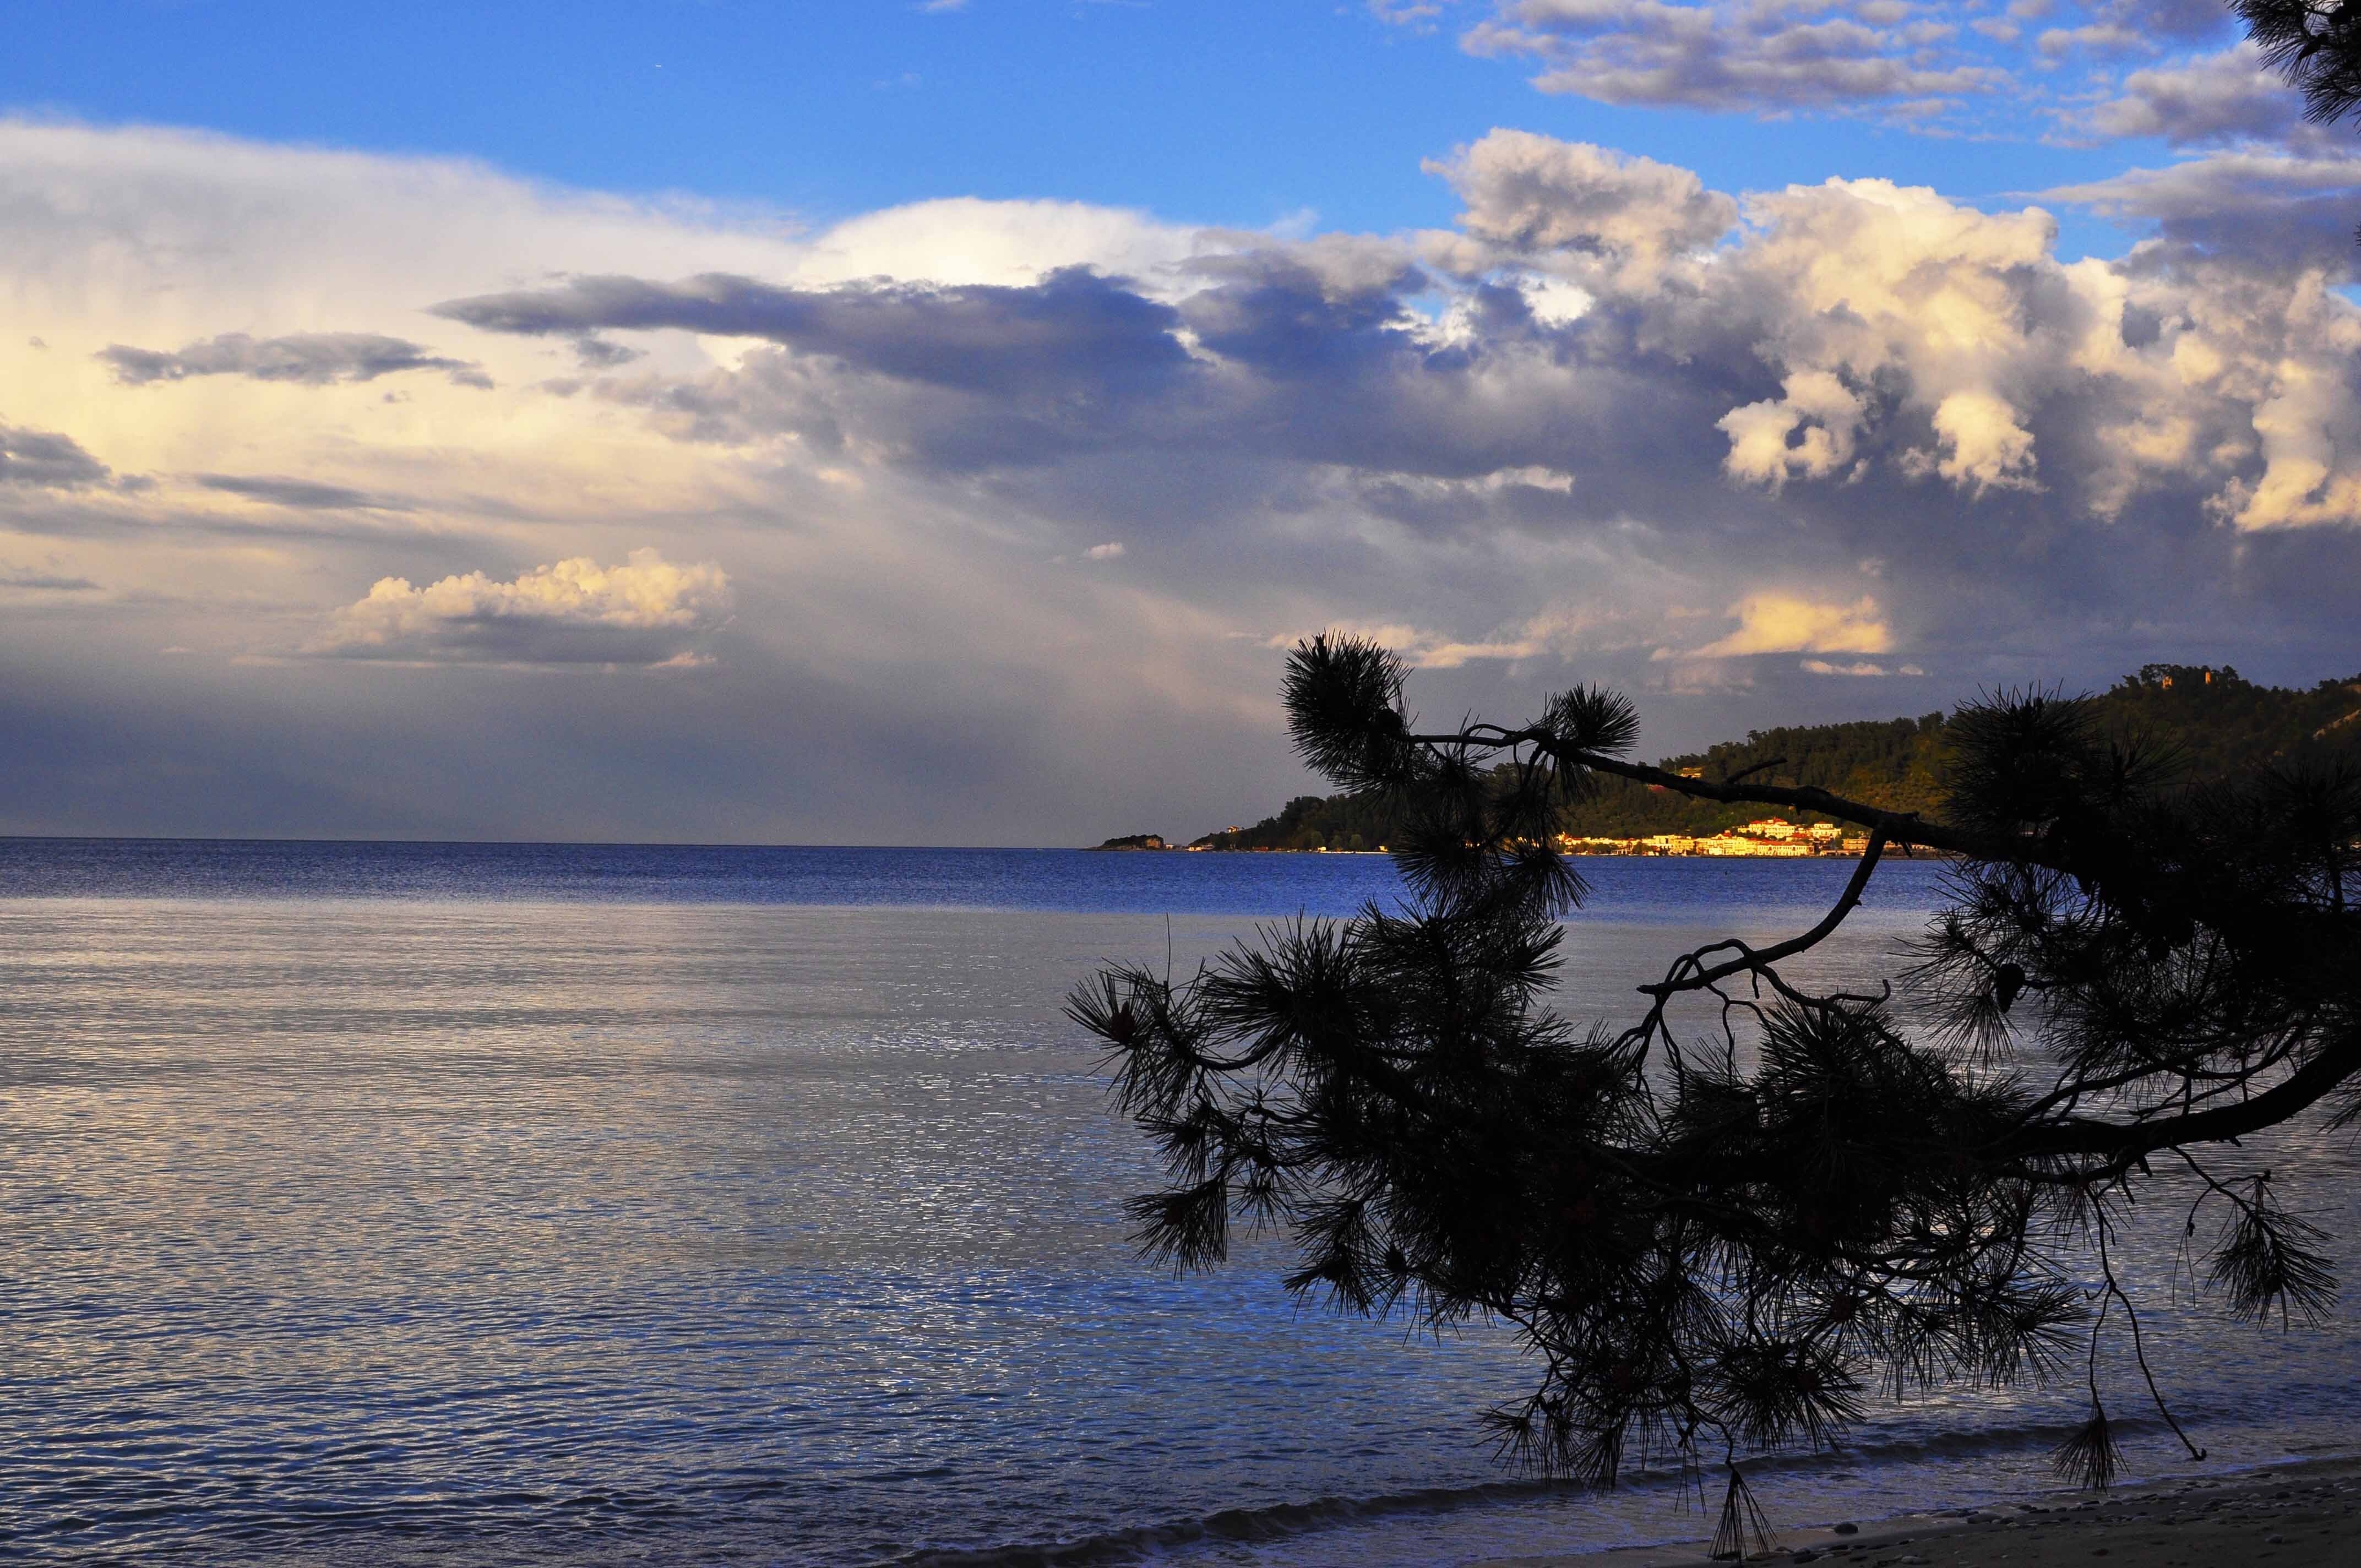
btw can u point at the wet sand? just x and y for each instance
(2298, 1516)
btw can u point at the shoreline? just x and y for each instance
(2300, 1511)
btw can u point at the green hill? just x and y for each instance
(2211, 721)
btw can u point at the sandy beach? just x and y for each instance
(2301, 1514)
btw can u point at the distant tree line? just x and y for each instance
(2208, 721)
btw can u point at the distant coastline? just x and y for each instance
(2208, 719)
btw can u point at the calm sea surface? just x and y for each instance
(388, 1203)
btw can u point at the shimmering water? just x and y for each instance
(389, 1202)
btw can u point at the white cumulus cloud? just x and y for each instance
(1530, 193)
(644, 611)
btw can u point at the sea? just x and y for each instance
(444, 1203)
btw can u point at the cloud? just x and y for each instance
(2099, 38)
(1073, 325)
(46, 582)
(1527, 193)
(1853, 328)
(1755, 55)
(1558, 633)
(973, 377)
(44, 460)
(2178, 21)
(309, 495)
(1785, 623)
(1930, 65)
(1859, 667)
(960, 240)
(2222, 97)
(1904, 330)
(595, 353)
(310, 359)
(1849, 330)
(1982, 445)
(647, 612)
(2275, 214)
(1110, 551)
(1804, 432)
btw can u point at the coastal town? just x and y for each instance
(1768, 838)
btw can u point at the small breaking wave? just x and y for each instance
(1278, 1522)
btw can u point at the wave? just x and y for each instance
(1275, 1521)
(1282, 1521)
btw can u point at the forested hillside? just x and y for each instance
(2209, 722)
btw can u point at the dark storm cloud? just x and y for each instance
(41, 459)
(1301, 357)
(1074, 328)
(1275, 316)
(1293, 365)
(1290, 361)
(312, 359)
(305, 495)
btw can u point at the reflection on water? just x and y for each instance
(390, 1224)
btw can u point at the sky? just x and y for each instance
(881, 422)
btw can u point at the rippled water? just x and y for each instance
(388, 1203)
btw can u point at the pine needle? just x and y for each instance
(1741, 1523)
(2090, 1457)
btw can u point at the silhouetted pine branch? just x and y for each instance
(1720, 1241)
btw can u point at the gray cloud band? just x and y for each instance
(1073, 325)
(315, 360)
(303, 495)
(45, 460)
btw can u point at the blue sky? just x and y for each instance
(929, 423)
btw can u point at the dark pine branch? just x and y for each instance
(1715, 1245)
